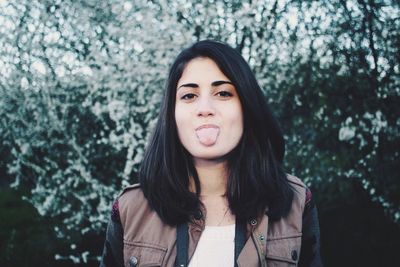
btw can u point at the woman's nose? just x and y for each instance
(205, 107)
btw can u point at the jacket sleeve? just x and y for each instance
(113, 245)
(310, 255)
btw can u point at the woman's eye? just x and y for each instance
(188, 96)
(224, 94)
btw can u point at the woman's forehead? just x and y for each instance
(201, 69)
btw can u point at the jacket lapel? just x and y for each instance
(254, 250)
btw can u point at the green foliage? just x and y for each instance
(28, 239)
(23, 232)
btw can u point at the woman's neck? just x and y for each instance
(212, 176)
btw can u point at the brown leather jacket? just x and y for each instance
(136, 236)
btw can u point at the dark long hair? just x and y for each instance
(256, 182)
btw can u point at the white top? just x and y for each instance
(216, 247)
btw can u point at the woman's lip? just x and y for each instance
(207, 126)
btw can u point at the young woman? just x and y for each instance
(212, 189)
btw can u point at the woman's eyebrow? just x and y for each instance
(217, 83)
(195, 85)
(192, 85)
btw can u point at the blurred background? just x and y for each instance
(81, 83)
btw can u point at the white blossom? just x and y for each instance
(39, 67)
(346, 133)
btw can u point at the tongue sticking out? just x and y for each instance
(207, 136)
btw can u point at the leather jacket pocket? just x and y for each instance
(283, 251)
(139, 254)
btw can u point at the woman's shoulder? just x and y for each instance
(302, 192)
(130, 201)
(130, 190)
(132, 195)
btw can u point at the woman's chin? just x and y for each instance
(210, 157)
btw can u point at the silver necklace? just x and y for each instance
(223, 217)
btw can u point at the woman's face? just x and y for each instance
(208, 112)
